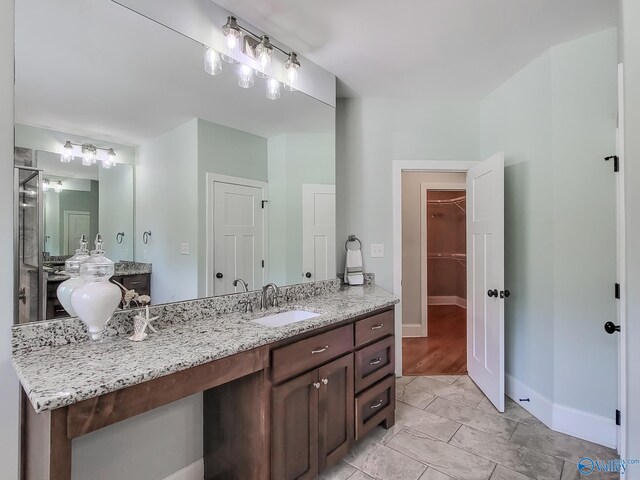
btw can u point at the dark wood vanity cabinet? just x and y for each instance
(312, 420)
(318, 414)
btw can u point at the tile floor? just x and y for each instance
(447, 429)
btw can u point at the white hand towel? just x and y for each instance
(353, 272)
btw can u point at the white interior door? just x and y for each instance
(238, 237)
(76, 224)
(485, 277)
(318, 232)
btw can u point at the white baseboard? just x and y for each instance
(194, 471)
(577, 423)
(447, 300)
(412, 330)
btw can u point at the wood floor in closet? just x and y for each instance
(444, 351)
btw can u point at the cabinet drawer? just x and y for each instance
(374, 363)
(375, 405)
(374, 327)
(311, 352)
(139, 283)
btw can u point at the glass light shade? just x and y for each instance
(45, 184)
(264, 50)
(291, 76)
(246, 76)
(67, 156)
(232, 34)
(58, 187)
(110, 160)
(273, 89)
(88, 155)
(212, 61)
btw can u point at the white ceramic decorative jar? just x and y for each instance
(72, 268)
(97, 299)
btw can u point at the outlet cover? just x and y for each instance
(184, 249)
(377, 250)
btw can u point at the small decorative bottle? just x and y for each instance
(97, 299)
(72, 268)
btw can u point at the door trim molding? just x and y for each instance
(211, 179)
(65, 233)
(397, 167)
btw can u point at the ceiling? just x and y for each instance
(426, 48)
(93, 68)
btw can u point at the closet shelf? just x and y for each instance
(461, 258)
(449, 201)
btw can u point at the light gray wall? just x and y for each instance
(631, 60)
(167, 204)
(556, 121)
(9, 417)
(224, 151)
(294, 160)
(371, 134)
(116, 210)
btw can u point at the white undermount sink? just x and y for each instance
(285, 318)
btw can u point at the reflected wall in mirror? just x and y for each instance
(235, 188)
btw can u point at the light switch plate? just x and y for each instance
(377, 250)
(184, 249)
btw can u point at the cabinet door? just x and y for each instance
(335, 410)
(294, 444)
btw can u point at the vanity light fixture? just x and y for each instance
(57, 187)
(264, 50)
(260, 50)
(90, 154)
(232, 35)
(291, 67)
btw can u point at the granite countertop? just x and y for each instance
(57, 376)
(122, 268)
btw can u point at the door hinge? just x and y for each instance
(263, 202)
(617, 291)
(618, 420)
(616, 162)
(262, 263)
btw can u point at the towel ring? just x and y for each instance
(352, 238)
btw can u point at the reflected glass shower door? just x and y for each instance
(29, 277)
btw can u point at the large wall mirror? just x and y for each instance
(198, 187)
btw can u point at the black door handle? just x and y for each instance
(308, 274)
(505, 293)
(493, 293)
(219, 275)
(611, 328)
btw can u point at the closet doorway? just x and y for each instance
(434, 286)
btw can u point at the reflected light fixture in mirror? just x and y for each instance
(45, 185)
(57, 187)
(88, 155)
(67, 156)
(273, 89)
(246, 76)
(212, 61)
(232, 35)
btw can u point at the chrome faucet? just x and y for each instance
(245, 286)
(265, 296)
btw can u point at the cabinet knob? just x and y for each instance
(308, 274)
(219, 275)
(316, 384)
(325, 380)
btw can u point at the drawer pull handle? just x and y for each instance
(134, 283)
(316, 384)
(375, 361)
(320, 350)
(378, 326)
(378, 404)
(325, 380)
